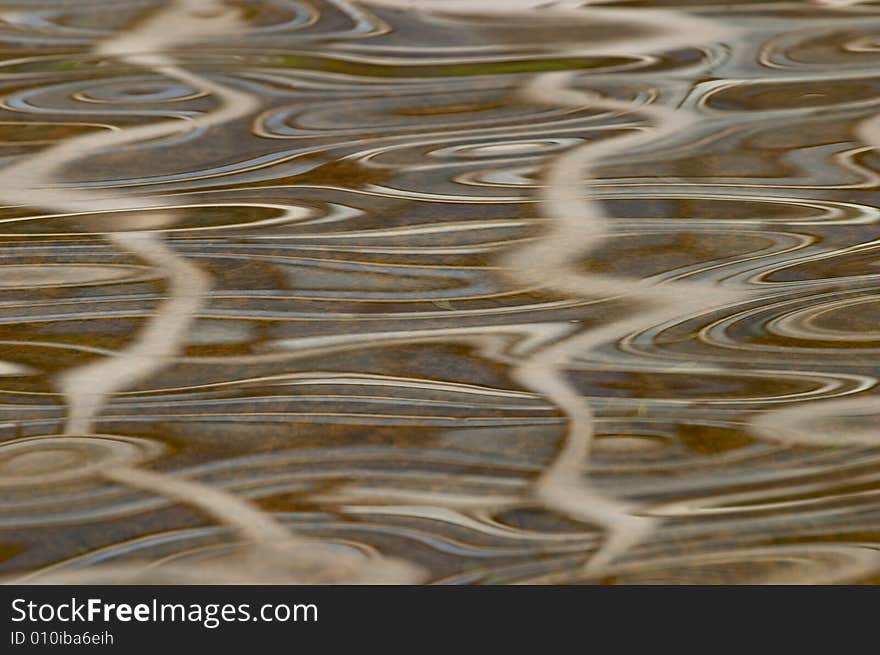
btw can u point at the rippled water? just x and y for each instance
(447, 291)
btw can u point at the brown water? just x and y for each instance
(461, 292)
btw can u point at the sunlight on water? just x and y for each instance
(439, 291)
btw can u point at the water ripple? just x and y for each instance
(392, 291)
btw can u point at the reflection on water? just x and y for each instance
(447, 291)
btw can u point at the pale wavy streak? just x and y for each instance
(88, 387)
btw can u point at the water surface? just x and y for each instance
(456, 292)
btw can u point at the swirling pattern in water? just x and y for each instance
(446, 291)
